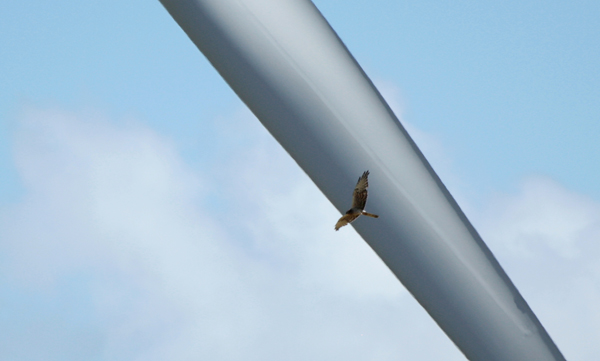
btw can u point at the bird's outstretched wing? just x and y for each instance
(359, 197)
(346, 219)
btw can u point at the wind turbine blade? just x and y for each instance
(286, 63)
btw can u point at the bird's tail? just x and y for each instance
(369, 214)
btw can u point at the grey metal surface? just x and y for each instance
(286, 63)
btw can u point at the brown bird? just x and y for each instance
(359, 199)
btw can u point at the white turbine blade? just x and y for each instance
(286, 63)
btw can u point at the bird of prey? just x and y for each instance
(359, 199)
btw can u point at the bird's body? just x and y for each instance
(359, 200)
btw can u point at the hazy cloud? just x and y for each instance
(119, 237)
(546, 238)
(122, 251)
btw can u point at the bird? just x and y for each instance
(359, 199)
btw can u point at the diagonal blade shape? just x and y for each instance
(285, 62)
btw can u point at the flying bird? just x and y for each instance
(359, 199)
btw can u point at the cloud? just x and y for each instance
(542, 218)
(546, 238)
(120, 250)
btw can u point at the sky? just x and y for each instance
(146, 214)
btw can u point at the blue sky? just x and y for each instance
(125, 162)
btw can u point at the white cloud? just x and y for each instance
(141, 257)
(543, 215)
(120, 250)
(546, 238)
